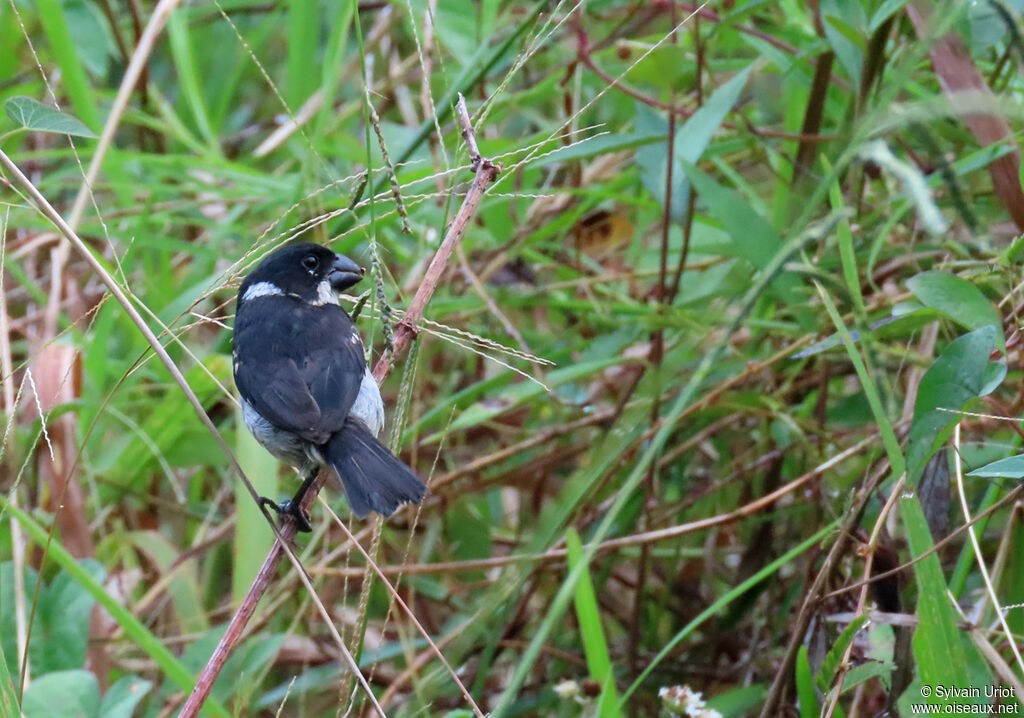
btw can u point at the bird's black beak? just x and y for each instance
(344, 273)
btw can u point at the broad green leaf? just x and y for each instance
(957, 376)
(457, 27)
(90, 32)
(883, 12)
(843, 22)
(691, 140)
(867, 671)
(60, 634)
(134, 630)
(957, 298)
(695, 134)
(995, 372)
(73, 78)
(753, 237)
(123, 696)
(834, 658)
(854, 37)
(756, 240)
(1012, 467)
(34, 115)
(68, 694)
(745, 700)
(60, 625)
(8, 694)
(652, 161)
(986, 27)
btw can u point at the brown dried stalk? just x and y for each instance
(486, 173)
(51, 214)
(965, 87)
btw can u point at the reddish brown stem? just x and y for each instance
(236, 629)
(486, 173)
(966, 89)
(583, 55)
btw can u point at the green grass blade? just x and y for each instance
(723, 601)
(133, 627)
(942, 651)
(809, 706)
(83, 100)
(595, 647)
(672, 416)
(181, 49)
(302, 47)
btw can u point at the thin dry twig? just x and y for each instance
(486, 172)
(240, 619)
(979, 557)
(51, 214)
(635, 540)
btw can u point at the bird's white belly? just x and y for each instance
(284, 445)
(369, 406)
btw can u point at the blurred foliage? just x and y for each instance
(690, 378)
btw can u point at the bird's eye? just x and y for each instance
(310, 262)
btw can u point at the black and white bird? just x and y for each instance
(307, 394)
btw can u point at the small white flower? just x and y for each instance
(567, 689)
(683, 700)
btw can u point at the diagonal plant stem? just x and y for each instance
(132, 74)
(48, 211)
(486, 172)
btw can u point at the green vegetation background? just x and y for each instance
(692, 376)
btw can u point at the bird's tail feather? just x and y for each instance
(374, 479)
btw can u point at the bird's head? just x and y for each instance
(313, 273)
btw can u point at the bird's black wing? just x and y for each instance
(297, 364)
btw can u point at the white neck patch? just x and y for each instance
(261, 289)
(325, 293)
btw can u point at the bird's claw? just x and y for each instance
(289, 510)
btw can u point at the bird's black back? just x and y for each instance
(299, 365)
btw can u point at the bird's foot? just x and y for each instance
(289, 510)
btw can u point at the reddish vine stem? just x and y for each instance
(583, 55)
(231, 638)
(486, 173)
